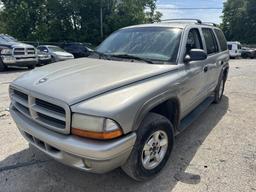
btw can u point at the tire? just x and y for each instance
(220, 90)
(151, 126)
(2, 66)
(53, 60)
(31, 66)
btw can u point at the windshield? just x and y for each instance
(154, 43)
(55, 49)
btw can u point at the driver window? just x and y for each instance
(194, 40)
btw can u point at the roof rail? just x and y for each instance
(183, 19)
(210, 23)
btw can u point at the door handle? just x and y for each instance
(205, 68)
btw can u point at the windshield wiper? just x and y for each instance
(102, 55)
(127, 56)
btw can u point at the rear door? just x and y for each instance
(223, 56)
(212, 61)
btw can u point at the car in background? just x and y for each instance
(57, 53)
(248, 53)
(77, 49)
(43, 57)
(234, 49)
(14, 53)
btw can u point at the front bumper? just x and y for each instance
(10, 60)
(86, 154)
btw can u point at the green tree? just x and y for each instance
(239, 20)
(73, 20)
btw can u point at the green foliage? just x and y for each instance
(74, 20)
(239, 20)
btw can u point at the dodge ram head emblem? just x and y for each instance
(42, 80)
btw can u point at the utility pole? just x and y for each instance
(101, 20)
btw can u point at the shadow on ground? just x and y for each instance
(187, 144)
(14, 70)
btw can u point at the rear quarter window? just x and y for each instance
(222, 40)
(210, 40)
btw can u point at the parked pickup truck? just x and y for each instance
(14, 53)
(123, 106)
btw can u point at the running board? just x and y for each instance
(192, 116)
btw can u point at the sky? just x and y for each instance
(167, 8)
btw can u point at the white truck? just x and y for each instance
(234, 49)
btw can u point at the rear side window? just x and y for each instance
(210, 40)
(222, 39)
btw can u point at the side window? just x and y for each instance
(210, 40)
(194, 40)
(222, 39)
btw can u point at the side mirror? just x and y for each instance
(195, 55)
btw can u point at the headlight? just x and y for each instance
(6, 51)
(94, 127)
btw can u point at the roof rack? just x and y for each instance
(210, 23)
(183, 19)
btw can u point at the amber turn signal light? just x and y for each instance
(96, 135)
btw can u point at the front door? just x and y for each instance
(192, 88)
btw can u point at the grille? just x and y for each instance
(50, 115)
(31, 51)
(19, 51)
(24, 51)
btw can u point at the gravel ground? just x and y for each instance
(216, 153)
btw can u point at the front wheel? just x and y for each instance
(53, 59)
(152, 148)
(31, 66)
(2, 66)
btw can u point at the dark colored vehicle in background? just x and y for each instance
(248, 53)
(77, 49)
(15, 53)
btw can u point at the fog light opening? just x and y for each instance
(87, 164)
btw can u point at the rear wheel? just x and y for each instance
(152, 149)
(220, 90)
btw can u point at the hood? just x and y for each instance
(63, 54)
(16, 44)
(80, 79)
